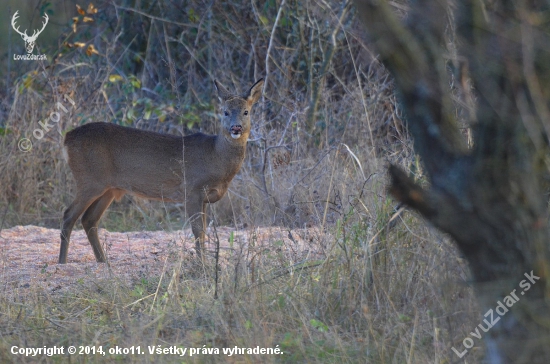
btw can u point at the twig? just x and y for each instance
(217, 258)
(141, 299)
(316, 164)
(155, 17)
(56, 324)
(158, 285)
(322, 73)
(8, 81)
(3, 218)
(285, 271)
(265, 163)
(271, 45)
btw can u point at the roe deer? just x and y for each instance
(109, 160)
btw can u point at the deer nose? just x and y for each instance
(236, 131)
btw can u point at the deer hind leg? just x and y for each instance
(90, 221)
(197, 215)
(82, 201)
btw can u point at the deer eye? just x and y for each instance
(246, 112)
(226, 113)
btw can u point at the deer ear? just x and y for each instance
(255, 91)
(223, 94)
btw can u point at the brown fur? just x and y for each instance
(109, 160)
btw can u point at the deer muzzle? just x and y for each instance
(236, 131)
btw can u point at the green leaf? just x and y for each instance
(5, 131)
(404, 318)
(115, 78)
(137, 292)
(264, 20)
(320, 326)
(130, 114)
(193, 18)
(135, 82)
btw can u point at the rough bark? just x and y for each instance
(490, 198)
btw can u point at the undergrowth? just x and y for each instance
(384, 288)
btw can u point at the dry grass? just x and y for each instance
(346, 296)
(384, 289)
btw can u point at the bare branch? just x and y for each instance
(420, 75)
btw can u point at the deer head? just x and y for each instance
(29, 41)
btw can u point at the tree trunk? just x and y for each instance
(489, 198)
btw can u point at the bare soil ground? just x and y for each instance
(29, 254)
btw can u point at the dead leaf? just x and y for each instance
(91, 50)
(75, 20)
(80, 10)
(91, 9)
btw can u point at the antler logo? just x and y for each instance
(29, 40)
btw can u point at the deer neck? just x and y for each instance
(230, 150)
